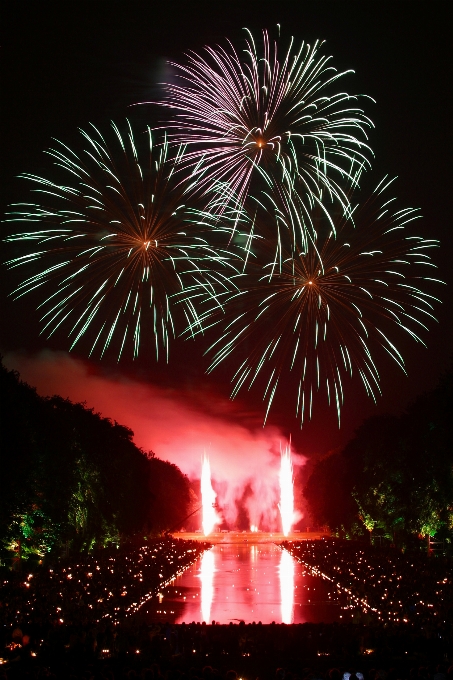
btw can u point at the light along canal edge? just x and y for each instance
(136, 606)
(247, 581)
(251, 537)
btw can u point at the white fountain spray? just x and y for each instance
(286, 504)
(208, 496)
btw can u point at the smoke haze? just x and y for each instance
(179, 426)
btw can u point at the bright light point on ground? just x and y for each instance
(253, 528)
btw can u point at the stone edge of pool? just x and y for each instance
(250, 537)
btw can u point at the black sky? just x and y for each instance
(65, 64)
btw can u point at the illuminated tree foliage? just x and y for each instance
(72, 479)
(395, 478)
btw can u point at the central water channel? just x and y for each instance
(237, 582)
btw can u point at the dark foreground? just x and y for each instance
(81, 619)
(184, 652)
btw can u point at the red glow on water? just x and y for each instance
(239, 582)
(207, 570)
(287, 569)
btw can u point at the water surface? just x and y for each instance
(242, 582)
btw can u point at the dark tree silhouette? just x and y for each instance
(72, 478)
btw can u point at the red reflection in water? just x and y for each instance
(287, 586)
(242, 582)
(207, 584)
(245, 585)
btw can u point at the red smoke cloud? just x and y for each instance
(178, 425)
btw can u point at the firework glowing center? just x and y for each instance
(261, 142)
(286, 491)
(208, 497)
(263, 146)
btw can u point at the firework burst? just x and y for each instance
(114, 247)
(283, 113)
(319, 313)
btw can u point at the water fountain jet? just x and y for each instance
(286, 504)
(208, 496)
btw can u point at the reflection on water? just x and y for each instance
(207, 584)
(253, 552)
(287, 564)
(242, 582)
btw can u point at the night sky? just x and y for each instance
(62, 70)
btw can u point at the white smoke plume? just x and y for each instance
(179, 426)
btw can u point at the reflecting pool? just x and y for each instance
(237, 582)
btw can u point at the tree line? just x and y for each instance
(395, 477)
(71, 479)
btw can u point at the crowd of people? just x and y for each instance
(388, 585)
(71, 621)
(135, 649)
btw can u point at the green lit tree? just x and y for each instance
(71, 479)
(395, 477)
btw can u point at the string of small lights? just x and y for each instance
(110, 584)
(393, 586)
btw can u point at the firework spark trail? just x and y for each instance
(286, 505)
(117, 256)
(116, 247)
(318, 314)
(239, 113)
